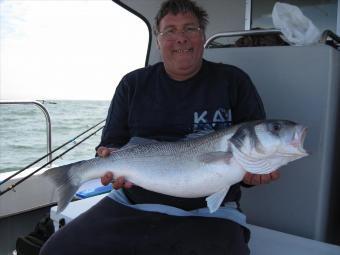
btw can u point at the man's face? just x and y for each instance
(182, 55)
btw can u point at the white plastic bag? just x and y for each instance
(297, 28)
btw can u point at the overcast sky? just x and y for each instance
(67, 49)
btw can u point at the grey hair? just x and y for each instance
(181, 6)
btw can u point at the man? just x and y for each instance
(166, 101)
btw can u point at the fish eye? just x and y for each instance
(276, 126)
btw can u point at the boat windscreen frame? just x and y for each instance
(139, 15)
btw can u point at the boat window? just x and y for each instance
(62, 53)
(68, 49)
(323, 13)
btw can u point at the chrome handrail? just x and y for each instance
(241, 33)
(325, 35)
(47, 117)
(329, 33)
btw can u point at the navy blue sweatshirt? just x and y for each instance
(148, 103)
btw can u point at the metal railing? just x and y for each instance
(47, 117)
(240, 33)
(329, 33)
(12, 186)
(49, 149)
(325, 35)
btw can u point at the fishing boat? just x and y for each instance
(297, 214)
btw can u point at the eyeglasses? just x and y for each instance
(170, 34)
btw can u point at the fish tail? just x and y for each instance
(67, 185)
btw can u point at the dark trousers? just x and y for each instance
(111, 228)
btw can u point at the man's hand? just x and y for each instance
(108, 176)
(256, 179)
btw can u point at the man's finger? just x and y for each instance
(107, 178)
(118, 183)
(247, 178)
(256, 179)
(265, 178)
(128, 185)
(103, 151)
(275, 175)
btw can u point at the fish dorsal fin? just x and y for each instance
(216, 156)
(135, 141)
(199, 133)
(215, 200)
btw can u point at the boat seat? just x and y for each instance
(263, 241)
(266, 241)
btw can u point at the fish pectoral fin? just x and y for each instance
(215, 200)
(216, 156)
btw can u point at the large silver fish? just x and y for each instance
(195, 167)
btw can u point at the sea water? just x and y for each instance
(23, 136)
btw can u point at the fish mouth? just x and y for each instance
(295, 148)
(299, 139)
